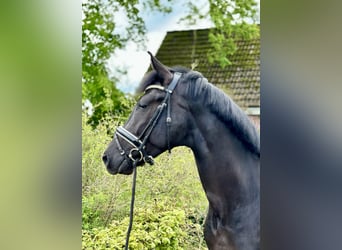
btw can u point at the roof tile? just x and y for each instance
(241, 80)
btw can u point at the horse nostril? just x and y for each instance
(105, 159)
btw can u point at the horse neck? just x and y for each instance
(229, 172)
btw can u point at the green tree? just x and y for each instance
(99, 39)
(232, 19)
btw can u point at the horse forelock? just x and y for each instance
(224, 108)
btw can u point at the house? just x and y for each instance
(241, 80)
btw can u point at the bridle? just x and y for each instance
(138, 151)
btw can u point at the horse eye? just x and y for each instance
(142, 105)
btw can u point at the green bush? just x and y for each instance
(153, 228)
(91, 216)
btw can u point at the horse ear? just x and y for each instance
(162, 70)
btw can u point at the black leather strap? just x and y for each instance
(138, 143)
(174, 82)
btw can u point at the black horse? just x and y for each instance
(180, 108)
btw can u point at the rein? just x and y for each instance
(132, 205)
(138, 152)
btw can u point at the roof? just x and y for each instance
(241, 80)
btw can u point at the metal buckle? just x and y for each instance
(149, 159)
(131, 156)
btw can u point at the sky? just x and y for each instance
(136, 61)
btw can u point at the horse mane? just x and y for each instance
(218, 103)
(225, 108)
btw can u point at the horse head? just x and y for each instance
(157, 122)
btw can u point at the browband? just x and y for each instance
(171, 86)
(155, 87)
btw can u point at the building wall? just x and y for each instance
(256, 121)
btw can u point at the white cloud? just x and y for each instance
(135, 61)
